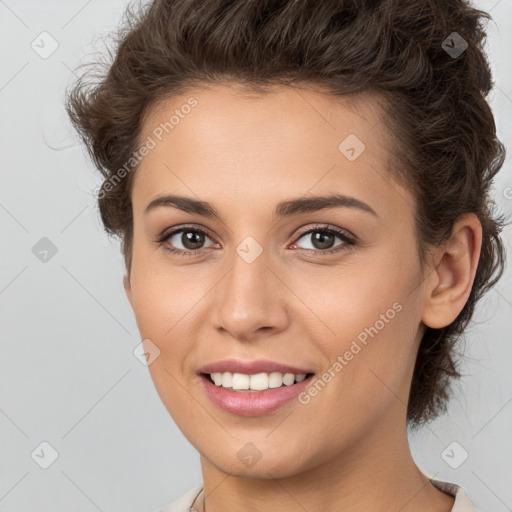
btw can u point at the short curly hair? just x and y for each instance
(424, 58)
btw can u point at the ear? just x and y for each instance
(450, 280)
(128, 289)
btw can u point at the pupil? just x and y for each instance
(192, 240)
(319, 239)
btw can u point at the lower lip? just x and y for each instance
(255, 403)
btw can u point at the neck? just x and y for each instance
(375, 473)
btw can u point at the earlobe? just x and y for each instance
(450, 282)
(128, 289)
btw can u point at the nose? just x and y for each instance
(250, 300)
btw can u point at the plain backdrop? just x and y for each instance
(73, 395)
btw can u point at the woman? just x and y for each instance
(301, 189)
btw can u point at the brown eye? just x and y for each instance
(323, 239)
(192, 239)
(185, 240)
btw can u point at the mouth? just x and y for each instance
(253, 394)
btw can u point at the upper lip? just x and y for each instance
(251, 367)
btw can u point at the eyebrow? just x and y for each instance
(283, 209)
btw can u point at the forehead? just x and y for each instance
(234, 112)
(223, 141)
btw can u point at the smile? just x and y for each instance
(253, 395)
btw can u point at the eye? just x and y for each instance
(322, 239)
(190, 238)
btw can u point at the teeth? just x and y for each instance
(240, 381)
(226, 379)
(256, 382)
(275, 380)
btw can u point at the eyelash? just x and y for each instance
(322, 228)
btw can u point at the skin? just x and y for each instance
(347, 449)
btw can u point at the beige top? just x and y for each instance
(462, 501)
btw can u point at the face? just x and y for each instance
(326, 288)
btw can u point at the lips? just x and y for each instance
(253, 403)
(250, 402)
(252, 367)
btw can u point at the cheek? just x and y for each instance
(163, 297)
(373, 320)
(165, 314)
(366, 292)
(168, 304)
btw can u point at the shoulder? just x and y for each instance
(183, 503)
(462, 501)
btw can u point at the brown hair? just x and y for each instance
(443, 130)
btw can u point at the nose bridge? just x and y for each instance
(250, 268)
(247, 299)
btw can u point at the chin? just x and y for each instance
(250, 462)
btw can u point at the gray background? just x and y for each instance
(68, 375)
